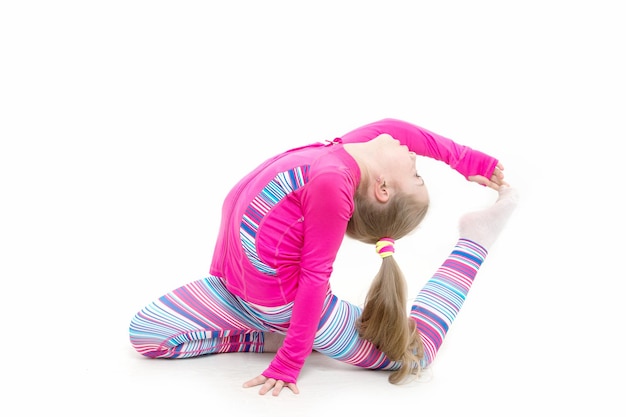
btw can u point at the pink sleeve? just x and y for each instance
(327, 202)
(423, 142)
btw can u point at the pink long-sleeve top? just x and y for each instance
(283, 223)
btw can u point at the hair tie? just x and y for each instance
(384, 247)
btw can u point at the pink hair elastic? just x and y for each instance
(384, 247)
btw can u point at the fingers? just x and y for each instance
(293, 387)
(270, 384)
(494, 182)
(497, 178)
(479, 179)
(267, 384)
(277, 388)
(255, 381)
(493, 185)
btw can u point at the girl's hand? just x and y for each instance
(272, 384)
(496, 180)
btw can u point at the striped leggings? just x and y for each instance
(204, 318)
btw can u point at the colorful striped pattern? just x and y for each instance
(338, 338)
(199, 318)
(204, 318)
(282, 184)
(438, 303)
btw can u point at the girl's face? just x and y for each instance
(400, 171)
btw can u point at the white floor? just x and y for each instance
(123, 125)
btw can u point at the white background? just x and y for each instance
(124, 123)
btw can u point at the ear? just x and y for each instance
(381, 191)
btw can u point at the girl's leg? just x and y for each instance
(196, 319)
(433, 310)
(438, 303)
(337, 337)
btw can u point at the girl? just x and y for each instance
(281, 228)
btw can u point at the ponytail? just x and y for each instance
(384, 320)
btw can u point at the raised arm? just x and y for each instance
(465, 160)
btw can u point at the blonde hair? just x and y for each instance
(384, 320)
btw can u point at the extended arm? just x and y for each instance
(327, 203)
(465, 160)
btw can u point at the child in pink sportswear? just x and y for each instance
(281, 228)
